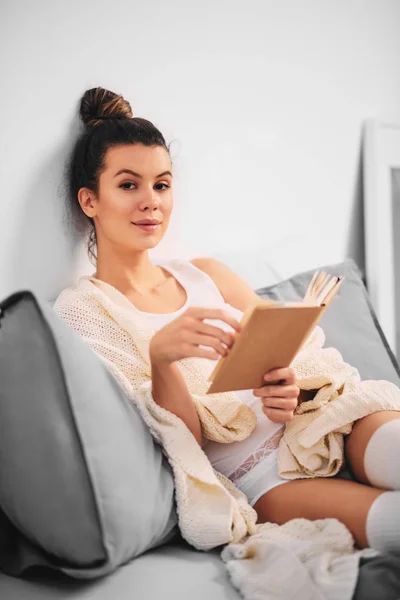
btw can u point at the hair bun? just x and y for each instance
(98, 105)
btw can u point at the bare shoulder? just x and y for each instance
(234, 290)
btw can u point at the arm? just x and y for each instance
(170, 391)
(233, 289)
(223, 417)
(236, 293)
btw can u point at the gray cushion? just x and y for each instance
(83, 486)
(182, 573)
(174, 571)
(349, 323)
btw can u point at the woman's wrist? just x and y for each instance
(159, 366)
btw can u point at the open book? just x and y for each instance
(271, 336)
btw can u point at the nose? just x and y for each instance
(150, 200)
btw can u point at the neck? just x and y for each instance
(134, 273)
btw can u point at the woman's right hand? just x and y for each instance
(182, 337)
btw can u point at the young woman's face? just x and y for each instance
(128, 197)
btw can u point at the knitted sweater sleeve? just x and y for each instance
(312, 444)
(224, 418)
(88, 318)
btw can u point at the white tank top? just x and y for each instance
(235, 458)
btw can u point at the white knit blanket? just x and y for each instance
(302, 559)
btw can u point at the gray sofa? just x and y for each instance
(179, 572)
(172, 571)
(172, 568)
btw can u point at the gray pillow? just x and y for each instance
(83, 486)
(350, 323)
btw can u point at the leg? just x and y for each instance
(357, 441)
(320, 498)
(372, 514)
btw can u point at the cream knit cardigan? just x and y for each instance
(301, 559)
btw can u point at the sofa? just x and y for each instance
(53, 544)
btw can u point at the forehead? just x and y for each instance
(146, 160)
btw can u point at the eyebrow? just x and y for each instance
(138, 174)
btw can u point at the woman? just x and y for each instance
(120, 188)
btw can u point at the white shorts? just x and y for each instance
(261, 478)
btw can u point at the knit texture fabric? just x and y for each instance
(312, 444)
(211, 510)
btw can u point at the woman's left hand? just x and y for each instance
(279, 395)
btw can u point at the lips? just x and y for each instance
(147, 222)
(147, 226)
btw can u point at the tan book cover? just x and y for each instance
(271, 336)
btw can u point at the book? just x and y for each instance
(272, 334)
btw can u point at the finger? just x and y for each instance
(188, 350)
(286, 373)
(280, 403)
(277, 390)
(200, 312)
(278, 416)
(198, 352)
(198, 339)
(224, 336)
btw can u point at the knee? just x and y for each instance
(381, 463)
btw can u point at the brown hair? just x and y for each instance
(108, 122)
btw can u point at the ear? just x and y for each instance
(87, 201)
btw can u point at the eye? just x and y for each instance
(127, 183)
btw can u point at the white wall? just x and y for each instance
(396, 250)
(265, 100)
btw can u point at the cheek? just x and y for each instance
(168, 206)
(166, 218)
(116, 207)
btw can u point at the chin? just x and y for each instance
(146, 244)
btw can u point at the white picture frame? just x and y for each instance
(381, 157)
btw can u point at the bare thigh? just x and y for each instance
(356, 442)
(320, 498)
